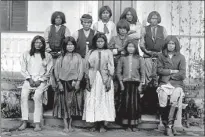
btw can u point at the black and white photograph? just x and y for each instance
(102, 68)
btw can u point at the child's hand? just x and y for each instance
(88, 86)
(140, 88)
(60, 86)
(108, 84)
(122, 86)
(37, 83)
(115, 51)
(77, 85)
(73, 83)
(174, 71)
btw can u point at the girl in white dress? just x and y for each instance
(99, 101)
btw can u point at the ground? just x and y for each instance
(9, 129)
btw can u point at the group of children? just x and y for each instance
(95, 67)
(97, 73)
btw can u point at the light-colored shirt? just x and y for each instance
(36, 68)
(69, 67)
(47, 31)
(138, 35)
(99, 26)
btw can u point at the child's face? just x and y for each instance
(105, 15)
(58, 20)
(100, 43)
(70, 47)
(131, 48)
(86, 24)
(122, 31)
(129, 16)
(171, 46)
(153, 20)
(38, 44)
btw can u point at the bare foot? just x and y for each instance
(128, 129)
(71, 129)
(93, 129)
(23, 126)
(102, 130)
(66, 130)
(37, 128)
(134, 129)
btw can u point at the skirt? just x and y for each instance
(69, 102)
(130, 104)
(99, 104)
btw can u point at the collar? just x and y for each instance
(58, 26)
(121, 38)
(86, 30)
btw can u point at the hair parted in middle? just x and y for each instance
(65, 43)
(154, 13)
(133, 12)
(104, 8)
(96, 37)
(43, 48)
(136, 53)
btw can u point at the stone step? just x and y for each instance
(148, 122)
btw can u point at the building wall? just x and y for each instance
(39, 13)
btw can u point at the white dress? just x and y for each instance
(99, 104)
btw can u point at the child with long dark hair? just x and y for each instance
(99, 101)
(130, 72)
(68, 72)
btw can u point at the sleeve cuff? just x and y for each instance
(42, 79)
(28, 77)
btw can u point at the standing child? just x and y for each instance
(105, 25)
(84, 35)
(130, 72)
(68, 72)
(99, 101)
(54, 35)
(117, 44)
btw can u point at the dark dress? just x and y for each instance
(70, 101)
(130, 70)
